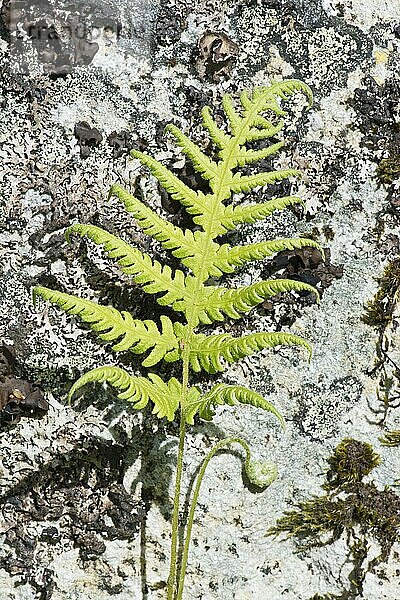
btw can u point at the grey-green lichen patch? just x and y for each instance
(133, 85)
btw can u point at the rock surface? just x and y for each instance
(86, 490)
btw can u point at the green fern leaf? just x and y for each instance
(234, 215)
(111, 325)
(233, 116)
(201, 162)
(246, 157)
(228, 258)
(147, 272)
(283, 89)
(245, 183)
(208, 351)
(199, 250)
(217, 135)
(194, 202)
(266, 130)
(208, 210)
(222, 393)
(137, 390)
(185, 245)
(182, 243)
(220, 302)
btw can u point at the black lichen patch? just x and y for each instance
(376, 108)
(217, 54)
(359, 510)
(88, 137)
(82, 496)
(170, 23)
(18, 397)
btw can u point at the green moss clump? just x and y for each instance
(379, 311)
(314, 518)
(391, 438)
(379, 314)
(351, 506)
(375, 512)
(351, 461)
(389, 169)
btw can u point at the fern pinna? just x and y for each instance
(191, 291)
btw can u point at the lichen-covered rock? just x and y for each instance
(86, 491)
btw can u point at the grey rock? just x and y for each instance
(86, 491)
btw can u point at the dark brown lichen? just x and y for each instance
(18, 396)
(121, 142)
(217, 55)
(88, 138)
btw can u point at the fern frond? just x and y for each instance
(265, 99)
(228, 258)
(201, 162)
(112, 325)
(196, 203)
(245, 183)
(245, 100)
(147, 272)
(184, 244)
(232, 115)
(208, 210)
(267, 130)
(218, 136)
(220, 302)
(173, 238)
(283, 89)
(199, 252)
(251, 213)
(137, 390)
(207, 352)
(223, 393)
(170, 182)
(246, 157)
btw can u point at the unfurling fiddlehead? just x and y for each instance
(191, 291)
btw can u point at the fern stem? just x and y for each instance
(193, 504)
(171, 584)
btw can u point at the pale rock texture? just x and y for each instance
(86, 490)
